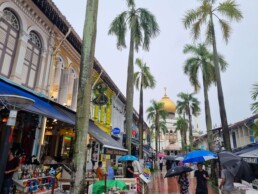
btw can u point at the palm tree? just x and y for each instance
(182, 126)
(204, 14)
(155, 113)
(201, 60)
(143, 26)
(162, 129)
(254, 94)
(143, 79)
(188, 105)
(84, 97)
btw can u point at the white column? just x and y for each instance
(39, 87)
(21, 48)
(75, 92)
(63, 87)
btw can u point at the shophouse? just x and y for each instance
(40, 59)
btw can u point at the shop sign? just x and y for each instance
(115, 152)
(116, 131)
(251, 160)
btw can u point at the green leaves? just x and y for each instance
(203, 15)
(144, 76)
(254, 94)
(142, 24)
(230, 9)
(118, 27)
(225, 28)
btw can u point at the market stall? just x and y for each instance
(37, 178)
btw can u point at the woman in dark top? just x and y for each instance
(129, 170)
(184, 183)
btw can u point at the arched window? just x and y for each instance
(31, 61)
(9, 33)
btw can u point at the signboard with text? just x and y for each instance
(115, 152)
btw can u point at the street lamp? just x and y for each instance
(13, 103)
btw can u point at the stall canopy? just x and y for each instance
(50, 109)
(42, 106)
(249, 153)
(146, 149)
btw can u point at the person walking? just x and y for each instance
(227, 182)
(184, 183)
(129, 170)
(99, 172)
(94, 159)
(161, 164)
(168, 164)
(111, 173)
(12, 166)
(201, 177)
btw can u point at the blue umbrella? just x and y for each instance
(199, 156)
(127, 158)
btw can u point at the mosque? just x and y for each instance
(170, 143)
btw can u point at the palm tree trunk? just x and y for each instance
(209, 130)
(141, 123)
(223, 115)
(207, 114)
(156, 134)
(84, 97)
(129, 95)
(190, 128)
(159, 141)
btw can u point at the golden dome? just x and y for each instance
(169, 105)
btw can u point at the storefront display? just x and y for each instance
(37, 178)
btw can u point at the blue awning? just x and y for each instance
(50, 109)
(42, 106)
(246, 149)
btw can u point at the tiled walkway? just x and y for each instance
(161, 185)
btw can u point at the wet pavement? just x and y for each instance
(161, 185)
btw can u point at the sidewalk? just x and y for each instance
(161, 185)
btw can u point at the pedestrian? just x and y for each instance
(227, 182)
(111, 174)
(12, 166)
(99, 172)
(94, 159)
(201, 176)
(136, 174)
(168, 164)
(184, 183)
(129, 170)
(160, 164)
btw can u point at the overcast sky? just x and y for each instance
(166, 59)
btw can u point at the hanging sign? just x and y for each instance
(116, 131)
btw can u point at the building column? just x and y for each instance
(39, 86)
(63, 87)
(16, 72)
(74, 95)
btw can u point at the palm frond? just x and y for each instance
(137, 80)
(230, 9)
(149, 26)
(130, 3)
(137, 33)
(254, 92)
(196, 29)
(118, 28)
(190, 17)
(208, 33)
(222, 62)
(225, 28)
